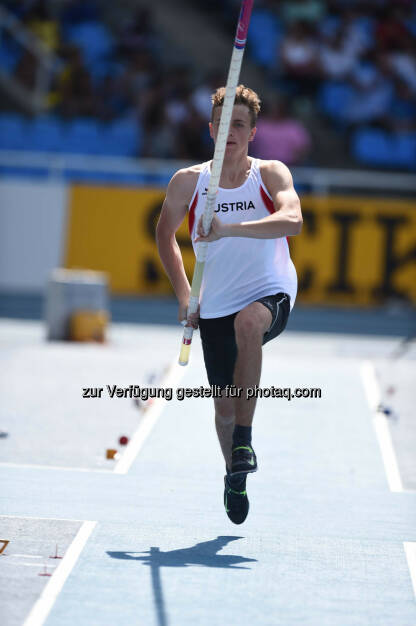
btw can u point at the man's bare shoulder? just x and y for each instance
(184, 181)
(275, 174)
(187, 177)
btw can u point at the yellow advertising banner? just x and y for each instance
(352, 250)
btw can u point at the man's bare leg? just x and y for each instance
(224, 424)
(250, 325)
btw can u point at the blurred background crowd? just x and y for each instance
(337, 79)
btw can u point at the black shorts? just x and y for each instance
(218, 338)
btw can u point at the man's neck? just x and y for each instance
(234, 170)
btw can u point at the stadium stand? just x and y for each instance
(114, 87)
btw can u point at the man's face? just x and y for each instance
(240, 132)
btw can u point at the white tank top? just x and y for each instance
(239, 270)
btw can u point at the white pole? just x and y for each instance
(217, 162)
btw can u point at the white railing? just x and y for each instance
(47, 63)
(320, 180)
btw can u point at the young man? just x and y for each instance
(249, 283)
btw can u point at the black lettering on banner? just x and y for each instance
(152, 219)
(151, 272)
(345, 221)
(239, 206)
(148, 267)
(392, 262)
(309, 228)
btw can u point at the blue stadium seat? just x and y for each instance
(82, 136)
(45, 134)
(372, 146)
(93, 38)
(13, 132)
(333, 98)
(380, 148)
(122, 137)
(264, 37)
(9, 57)
(405, 150)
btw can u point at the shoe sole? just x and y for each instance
(250, 471)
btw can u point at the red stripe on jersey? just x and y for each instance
(191, 216)
(269, 205)
(268, 202)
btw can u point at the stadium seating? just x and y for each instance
(13, 132)
(45, 134)
(93, 39)
(121, 137)
(9, 57)
(264, 37)
(333, 98)
(379, 148)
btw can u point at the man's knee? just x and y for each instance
(251, 324)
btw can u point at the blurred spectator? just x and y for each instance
(138, 76)
(75, 92)
(336, 60)
(112, 101)
(300, 59)
(159, 133)
(391, 31)
(192, 138)
(201, 97)
(79, 11)
(402, 114)
(402, 63)
(357, 30)
(43, 24)
(280, 136)
(303, 10)
(372, 96)
(139, 35)
(26, 70)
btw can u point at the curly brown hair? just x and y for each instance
(243, 95)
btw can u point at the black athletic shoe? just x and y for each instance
(243, 460)
(235, 502)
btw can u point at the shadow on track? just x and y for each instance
(204, 553)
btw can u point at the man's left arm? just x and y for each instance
(286, 221)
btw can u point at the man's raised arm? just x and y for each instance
(286, 221)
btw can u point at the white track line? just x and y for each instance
(381, 427)
(410, 549)
(150, 417)
(388, 454)
(44, 604)
(27, 556)
(54, 519)
(55, 467)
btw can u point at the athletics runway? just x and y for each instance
(144, 539)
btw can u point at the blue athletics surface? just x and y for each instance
(323, 543)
